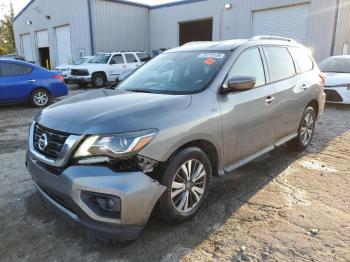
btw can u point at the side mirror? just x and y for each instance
(238, 83)
(112, 62)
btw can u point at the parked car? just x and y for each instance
(337, 72)
(190, 113)
(65, 69)
(25, 82)
(107, 67)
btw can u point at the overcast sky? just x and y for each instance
(19, 4)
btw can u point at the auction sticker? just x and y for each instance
(212, 55)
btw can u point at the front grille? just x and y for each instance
(55, 141)
(333, 96)
(79, 72)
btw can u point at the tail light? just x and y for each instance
(59, 77)
(323, 78)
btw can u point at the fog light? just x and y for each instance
(102, 204)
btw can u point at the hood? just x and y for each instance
(334, 79)
(87, 66)
(63, 66)
(107, 111)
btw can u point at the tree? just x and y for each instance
(7, 37)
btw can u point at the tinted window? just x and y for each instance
(117, 59)
(249, 63)
(280, 62)
(176, 73)
(10, 69)
(144, 57)
(303, 60)
(130, 58)
(336, 65)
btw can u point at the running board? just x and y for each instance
(259, 153)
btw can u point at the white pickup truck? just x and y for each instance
(107, 67)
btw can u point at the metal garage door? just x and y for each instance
(27, 47)
(42, 38)
(64, 48)
(289, 21)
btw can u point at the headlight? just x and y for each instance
(103, 148)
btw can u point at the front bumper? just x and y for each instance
(138, 194)
(77, 79)
(337, 95)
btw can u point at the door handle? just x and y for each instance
(269, 100)
(32, 81)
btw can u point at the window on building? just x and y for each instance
(303, 60)
(280, 62)
(130, 58)
(243, 66)
(11, 69)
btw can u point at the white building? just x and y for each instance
(55, 32)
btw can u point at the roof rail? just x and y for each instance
(272, 37)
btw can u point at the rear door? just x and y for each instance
(289, 89)
(16, 82)
(248, 116)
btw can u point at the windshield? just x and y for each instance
(176, 73)
(100, 59)
(336, 65)
(80, 61)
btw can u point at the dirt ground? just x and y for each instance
(282, 207)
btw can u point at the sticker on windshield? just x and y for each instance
(212, 55)
(209, 61)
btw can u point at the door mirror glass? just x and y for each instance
(238, 83)
(112, 62)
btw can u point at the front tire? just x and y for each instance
(40, 98)
(305, 132)
(98, 80)
(188, 180)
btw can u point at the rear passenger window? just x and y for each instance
(130, 58)
(249, 63)
(144, 57)
(303, 60)
(11, 69)
(280, 62)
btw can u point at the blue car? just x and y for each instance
(25, 82)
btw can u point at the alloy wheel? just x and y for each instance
(307, 129)
(41, 98)
(188, 186)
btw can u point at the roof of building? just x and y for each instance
(129, 2)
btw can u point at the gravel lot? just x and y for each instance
(282, 207)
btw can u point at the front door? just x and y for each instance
(248, 116)
(15, 82)
(116, 67)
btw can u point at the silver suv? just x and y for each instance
(105, 158)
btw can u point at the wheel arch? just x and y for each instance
(208, 148)
(37, 88)
(314, 104)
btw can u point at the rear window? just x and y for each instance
(11, 69)
(280, 63)
(144, 57)
(303, 60)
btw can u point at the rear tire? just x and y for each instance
(305, 132)
(40, 98)
(188, 180)
(98, 80)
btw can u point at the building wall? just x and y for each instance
(342, 40)
(237, 21)
(119, 26)
(62, 12)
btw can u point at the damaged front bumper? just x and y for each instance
(66, 193)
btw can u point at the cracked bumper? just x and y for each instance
(138, 194)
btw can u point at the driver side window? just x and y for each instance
(249, 63)
(117, 59)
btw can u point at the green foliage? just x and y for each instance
(7, 38)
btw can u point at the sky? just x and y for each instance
(19, 4)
